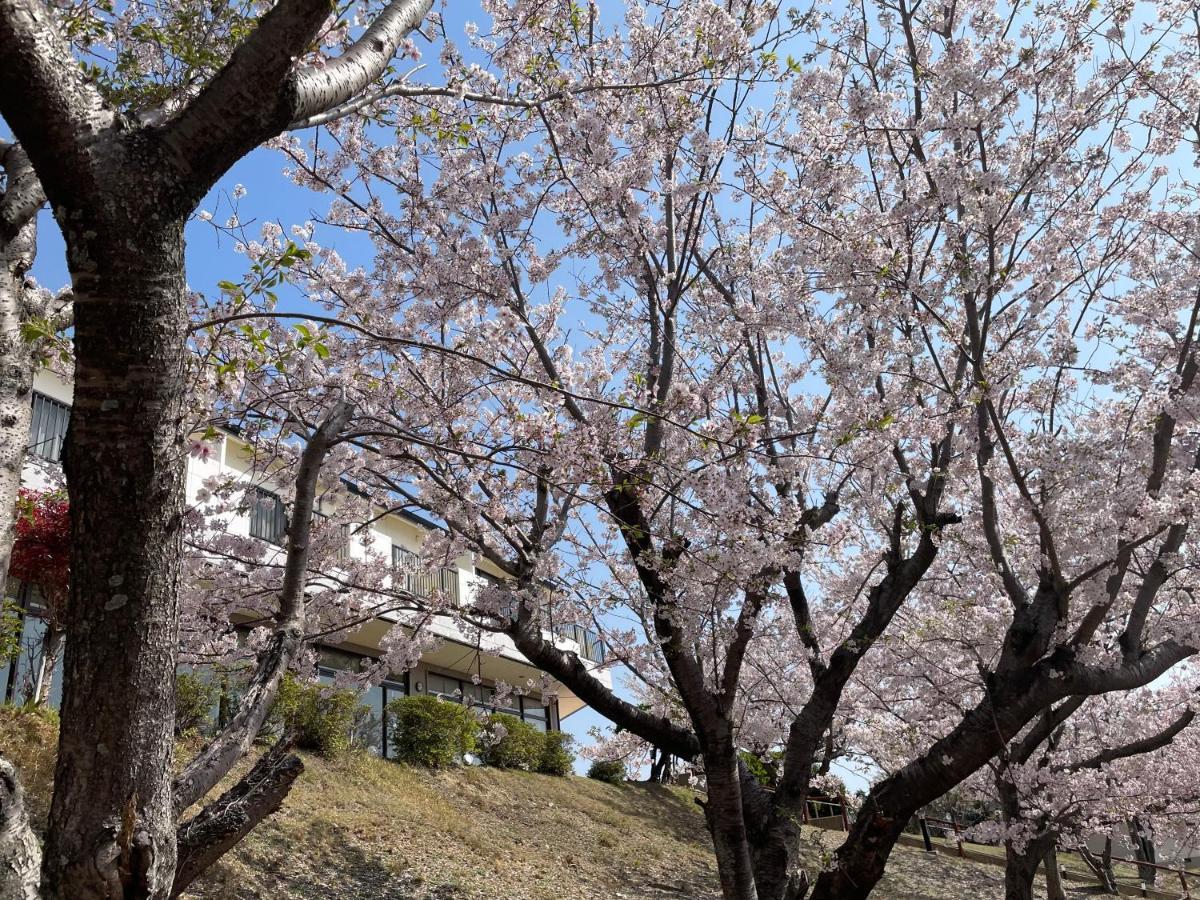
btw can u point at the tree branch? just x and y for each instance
(223, 752)
(44, 98)
(204, 838)
(323, 88)
(1136, 748)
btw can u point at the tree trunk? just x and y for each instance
(1021, 860)
(1142, 839)
(723, 812)
(16, 385)
(1054, 885)
(1102, 868)
(1020, 868)
(777, 869)
(112, 825)
(20, 853)
(52, 642)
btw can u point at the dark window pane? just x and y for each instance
(268, 521)
(48, 428)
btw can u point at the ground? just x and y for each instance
(360, 828)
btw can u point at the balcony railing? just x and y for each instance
(591, 647)
(426, 583)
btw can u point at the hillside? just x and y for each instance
(361, 828)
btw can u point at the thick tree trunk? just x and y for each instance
(112, 824)
(1021, 860)
(777, 860)
(1142, 839)
(726, 825)
(1020, 869)
(1054, 885)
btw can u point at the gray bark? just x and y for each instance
(1102, 868)
(19, 204)
(20, 853)
(52, 642)
(218, 827)
(121, 194)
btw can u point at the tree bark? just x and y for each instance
(18, 240)
(723, 812)
(52, 643)
(1054, 885)
(20, 853)
(210, 833)
(1021, 866)
(1102, 868)
(1143, 849)
(112, 823)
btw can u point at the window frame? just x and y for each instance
(278, 512)
(43, 407)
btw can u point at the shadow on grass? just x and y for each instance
(668, 811)
(319, 862)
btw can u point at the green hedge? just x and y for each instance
(432, 732)
(321, 717)
(608, 770)
(557, 758)
(513, 744)
(195, 697)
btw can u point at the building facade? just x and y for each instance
(459, 669)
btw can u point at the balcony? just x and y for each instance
(591, 647)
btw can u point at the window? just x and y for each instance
(372, 728)
(268, 520)
(444, 687)
(533, 712)
(48, 429)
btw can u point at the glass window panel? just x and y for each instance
(369, 728)
(392, 690)
(448, 688)
(332, 658)
(48, 427)
(268, 521)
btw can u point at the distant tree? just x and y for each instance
(41, 558)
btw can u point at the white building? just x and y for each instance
(460, 668)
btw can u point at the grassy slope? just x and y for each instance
(365, 828)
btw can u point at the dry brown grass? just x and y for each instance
(361, 828)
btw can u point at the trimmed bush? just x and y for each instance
(195, 697)
(431, 732)
(557, 758)
(611, 771)
(513, 744)
(321, 717)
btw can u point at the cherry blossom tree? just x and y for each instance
(678, 458)
(913, 329)
(1015, 216)
(122, 169)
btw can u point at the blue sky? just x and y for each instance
(271, 196)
